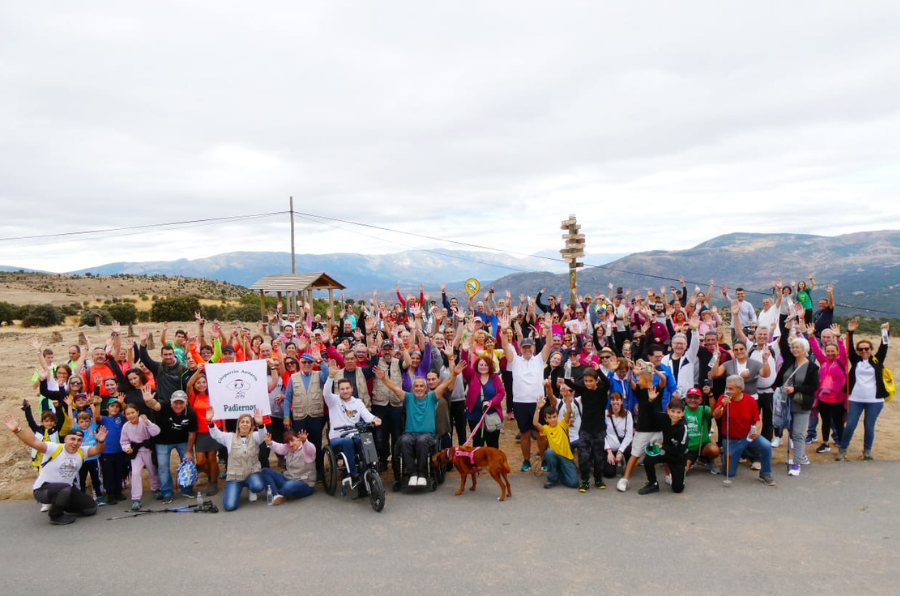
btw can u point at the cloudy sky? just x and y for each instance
(659, 124)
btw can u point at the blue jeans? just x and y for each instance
(560, 469)
(164, 463)
(758, 447)
(233, 488)
(348, 445)
(872, 411)
(282, 486)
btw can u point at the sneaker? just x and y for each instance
(583, 486)
(669, 479)
(158, 495)
(278, 500)
(756, 466)
(135, 505)
(45, 508)
(867, 455)
(423, 481)
(805, 460)
(223, 475)
(841, 456)
(549, 484)
(776, 442)
(598, 482)
(766, 479)
(649, 488)
(622, 485)
(526, 466)
(253, 496)
(101, 501)
(119, 497)
(413, 481)
(823, 448)
(212, 490)
(545, 467)
(62, 520)
(714, 468)
(810, 440)
(168, 499)
(189, 494)
(518, 437)
(795, 470)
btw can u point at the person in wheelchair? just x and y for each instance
(418, 438)
(346, 410)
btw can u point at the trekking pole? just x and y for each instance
(727, 481)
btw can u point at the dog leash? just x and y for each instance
(477, 426)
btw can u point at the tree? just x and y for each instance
(124, 313)
(42, 315)
(178, 308)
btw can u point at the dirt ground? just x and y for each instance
(17, 475)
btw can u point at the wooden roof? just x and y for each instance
(295, 282)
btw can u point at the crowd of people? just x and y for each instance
(594, 387)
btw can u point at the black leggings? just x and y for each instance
(676, 465)
(92, 467)
(765, 411)
(506, 376)
(609, 470)
(458, 420)
(483, 437)
(832, 416)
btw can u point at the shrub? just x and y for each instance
(179, 308)
(42, 315)
(8, 312)
(124, 313)
(88, 316)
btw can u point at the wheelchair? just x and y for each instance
(337, 467)
(436, 474)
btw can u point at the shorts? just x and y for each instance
(642, 439)
(693, 455)
(524, 414)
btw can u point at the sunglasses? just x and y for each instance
(863, 349)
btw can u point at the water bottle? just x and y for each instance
(199, 499)
(270, 498)
(884, 336)
(568, 373)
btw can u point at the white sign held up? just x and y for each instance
(237, 388)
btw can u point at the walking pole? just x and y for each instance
(727, 481)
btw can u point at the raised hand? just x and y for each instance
(302, 435)
(146, 393)
(144, 419)
(652, 393)
(257, 417)
(836, 329)
(165, 326)
(830, 288)
(210, 414)
(143, 334)
(443, 287)
(116, 327)
(379, 374)
(101, 434)
(459, 368)
(10, 421)
(36, 344)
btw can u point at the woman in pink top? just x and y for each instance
(831, 396)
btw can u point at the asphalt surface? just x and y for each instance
(833, 530)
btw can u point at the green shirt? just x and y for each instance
(696, 421)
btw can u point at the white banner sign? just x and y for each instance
(236, 388)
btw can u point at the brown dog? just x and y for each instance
(488, 458)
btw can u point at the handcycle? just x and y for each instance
(337, 466)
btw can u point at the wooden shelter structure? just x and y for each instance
(298, 287)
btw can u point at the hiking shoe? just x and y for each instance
(757, 466)
(549, 484)
(622, 485)
(526, 466)
(841, 456)
(135, 505)
(649, 488)
(795, 470)
(867, 455)
(805, 460)
(598, 482)
(584, 486)
(714, 467)
(62, 520)
(766, 479)
(776, 442)
(823, 448)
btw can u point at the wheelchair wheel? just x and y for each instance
(441, 474)
(376, 490)
(330, 466)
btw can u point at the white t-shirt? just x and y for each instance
(575, 422)
(865, 389)
(64, 467)
(528, 379)
(764, 383)
(343, 413)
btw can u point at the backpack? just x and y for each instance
(187, 473)
(888, 377)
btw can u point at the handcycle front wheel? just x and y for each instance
(376, 490)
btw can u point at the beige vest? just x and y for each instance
(307, 402)
(243, 460)
(298, 469)
(362, 388)
(381, 395)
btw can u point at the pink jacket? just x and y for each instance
(832, 373)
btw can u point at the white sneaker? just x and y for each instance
(776, 442)
(423, 481)
(622, 485)
(756, 466)
(45, 508)
(253, 496)
(669, 479)
(413, 481)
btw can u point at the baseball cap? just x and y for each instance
(694, 391)
(228, 348)
(75, 432)
(307, 356)
(527, 342)
(111, 401)
(178, 396)
(387, 344)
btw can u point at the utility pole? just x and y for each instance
(573, 251)
(293, 255)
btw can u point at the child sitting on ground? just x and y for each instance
(697, 418)
(558, 456)
(672, 448)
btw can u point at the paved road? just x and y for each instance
(833, 530)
